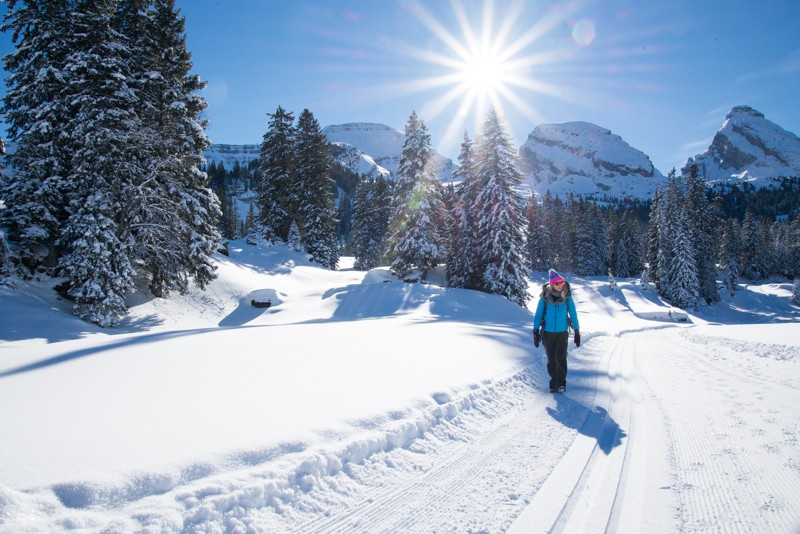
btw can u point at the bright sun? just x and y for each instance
(483, 73)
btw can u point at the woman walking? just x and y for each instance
(555, 314)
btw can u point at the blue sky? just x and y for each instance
(660, 74)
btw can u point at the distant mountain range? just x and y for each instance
(579, 157)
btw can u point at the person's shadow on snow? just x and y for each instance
(596, 424)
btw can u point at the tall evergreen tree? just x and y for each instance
(653, 233)
(590, 251)
(101, 134)
(536, 244)
(755, 253)
(701, 221)
(501, 217)
(316, 211)
(463, 259)
(683, 269)
(417, 239)
(36, 109)
(370, 222)
(730, 256)
(174, 213)
(421, 245)
(277, 197)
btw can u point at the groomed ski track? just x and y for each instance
(617, 453)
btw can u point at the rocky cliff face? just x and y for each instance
(748, 147)
(583, 158)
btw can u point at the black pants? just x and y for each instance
(555, 346)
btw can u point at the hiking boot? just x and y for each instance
(562, 389)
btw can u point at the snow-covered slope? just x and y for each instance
(748, 147)
(357, 403)
(583, 158)
(379, 148)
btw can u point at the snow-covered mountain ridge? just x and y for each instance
(579, 157)
(748, 147)
(583, 158)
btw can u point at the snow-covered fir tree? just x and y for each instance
(653, 233)
(173, 214)
(463, 259)
(796, 292)
(277, 198)
(294, 239)
(590, 251)
(702, 221)
(417, 238)
(627, 256)
(683, 269)
(421, 245)
(501, 217)
(36, 109)
(102, 130)
(536, 236)
(730, 256)
(370, 222)
(413, 163)
(755, 252)
(316, 211)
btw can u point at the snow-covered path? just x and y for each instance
(666, 459)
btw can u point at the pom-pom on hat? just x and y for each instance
(555, 278)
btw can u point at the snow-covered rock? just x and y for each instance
(748, 147)
(583, 158)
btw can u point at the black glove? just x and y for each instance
(536, 338)
(577, 338)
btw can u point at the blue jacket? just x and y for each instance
(556, 318)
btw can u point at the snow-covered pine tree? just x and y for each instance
(627, 249)
(412, 166)
(36, 109)
(653, 233)
(295, 240)
(536, 245)
(702, 222)
(668, 224)
(370, 222)
(551, 233)
(277, 199)
(796, 292)
(755, 253)
(501, 217)
(316, 211)
(421, 245)
(590, 252)
(730, 256)
(683, 268)
(173, 213)
(463, 260)
(102, 135)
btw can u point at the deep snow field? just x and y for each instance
(357, 403)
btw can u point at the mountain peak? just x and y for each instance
(745, 110)
(587, 159)
(748, 148)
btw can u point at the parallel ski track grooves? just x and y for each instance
(708, 451)
(592, 501)
(394, 510)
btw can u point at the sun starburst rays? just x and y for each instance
(490, 64)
